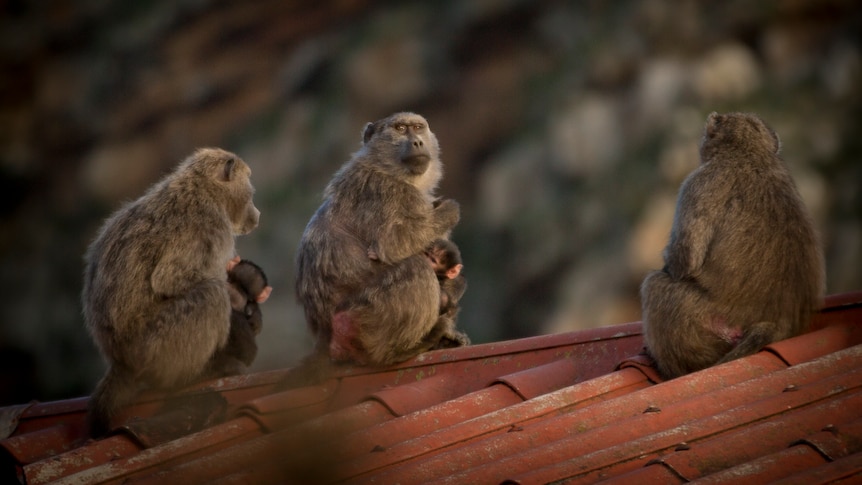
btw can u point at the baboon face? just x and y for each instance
(445, 259)
(742, 130)
(405, 138)
(227, 179)
(247, 216)
(439, 259)
(234, 177)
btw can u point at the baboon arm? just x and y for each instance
(413, 230)
(698, 235)
(690, 240)
(401, 237)
(393, 244)
(174, 274)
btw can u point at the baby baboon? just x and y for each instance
(445, 258)
(744, 266)
(248, 288)
(446, 262)
(155, 293)
(369, 293)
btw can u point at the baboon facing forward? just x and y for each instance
(369, 292)
(155, 294)
(744, 266)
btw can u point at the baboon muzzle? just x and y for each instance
(415, 156)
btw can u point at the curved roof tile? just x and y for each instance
(576, 407)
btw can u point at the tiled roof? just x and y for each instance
(577, 407)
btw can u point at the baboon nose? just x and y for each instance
(417, 143)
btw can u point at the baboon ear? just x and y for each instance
(368, 132)
(454, 271)
(777, 140)
(712, 123)
(228, 169)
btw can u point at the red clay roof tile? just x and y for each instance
(789, 461)
(577, 408)
(844, 470)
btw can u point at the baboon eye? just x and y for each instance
(400, 128)
(418, 126)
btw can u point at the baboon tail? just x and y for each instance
(116, 390)
(756, 337)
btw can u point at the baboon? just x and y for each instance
(743, 267)
(369, 293)
(248, 288)
(155, 296)
(445, 258)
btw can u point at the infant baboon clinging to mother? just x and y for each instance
(445, 258)
(155, 294)
(744, 267)
(248, 288)
(368, 289)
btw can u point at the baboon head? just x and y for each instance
(231, 178)
(250, 278)
(744, 131)
(406, 140)
(445, 258)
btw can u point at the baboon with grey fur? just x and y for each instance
(368, 290)
(744, 267)
(155, 294)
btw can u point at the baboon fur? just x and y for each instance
(361, 263)
(248, 288)
(743, 267)
(155, 295)
(446, 261)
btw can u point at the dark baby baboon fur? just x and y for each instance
(744, 267)
(248, 287)
(155, 295)
(445, 258)
(361, 263)
(446, 262)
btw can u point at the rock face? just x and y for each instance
(565, 129)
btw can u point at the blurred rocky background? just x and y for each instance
(566, 129)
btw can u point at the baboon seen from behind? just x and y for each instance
(744, 266)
